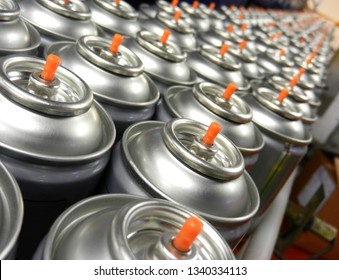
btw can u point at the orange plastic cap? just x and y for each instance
(116, 42)
(223, 49)
(243, 28)
(67, 1)
(211, 133)
(165, 36)
(117, 2)
(51, 66)
(241, 17)
(230, 28)
(294, 81)
(232, 8)
(281, 52)
(212, 6)
(301, 72)
(241, 8)
(282, 95)
(177, 15)
(230, 89)
(242, 45)
(188, 233)
(272, 37)
(302, 40)
(174, 3)
(195, 4)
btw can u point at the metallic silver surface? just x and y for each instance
(165, 72)
(54, 25)
(197, 19)
(72, 9)
(11, 213)
(118, 81)
(212, 67)
(205, 103)
(181, 33)
(17, 37)
(142, 164)
(272, 62)
(114, 18)
(130, 227)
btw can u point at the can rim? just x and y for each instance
(180, 26)
(124, 9)
(11, 188)
(304, 82)
(9, 10)
(80, 11)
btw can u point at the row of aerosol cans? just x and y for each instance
(159, 133)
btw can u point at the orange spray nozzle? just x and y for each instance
(50, 68)
(294, 81)
(165, 36)
(67, 1)
(188, 233)
(223, 49)
(116, 42)
(281, 52)
(174, 3)
(242, 45)
(212, 6)
(230, 28)
(243, 27)
(232, 8)
(195, 4)
(241, 17)
(301, 72)
(211, 133)
(177, 16)
(282, 95)
(230, 89)
(272, 37)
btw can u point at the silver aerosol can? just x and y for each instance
(59, 20)
(181, 162)
(17, 37)
(165, 62)
(115, 75)
(12, 212)
(286, 140)
(57, 141)
(115, 16)
(209, 102)
(132, 228)
(218, 66)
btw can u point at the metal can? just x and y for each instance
(181, 32)
(132, 228)
(116, 78)
(309, 116)
(17, 37)
(286, 140)
(273, 60)
(164, 62)
(169, 161)
(12, 212)
(150, 11)
(57, 141)
(197, 19)
(58, 20)
(216, 18)
(218, 68)
(207, 102)
(115, 17)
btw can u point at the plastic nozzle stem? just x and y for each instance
(230, 28)
(174, 3)
(116, 42)
(223, 49)
(67, 1)
(243, 28)
(212, 6)
(282, 95)
(281, 52)
(294, 81)
(241, 17)
(164, 37)
(272, 37)
(117, 2)
(242, 45)
(301, 72)
(232, 8)
(230, 89)
(190, 230)
(50, 68)
(195, 4)
(177, 16)
(211, 133)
